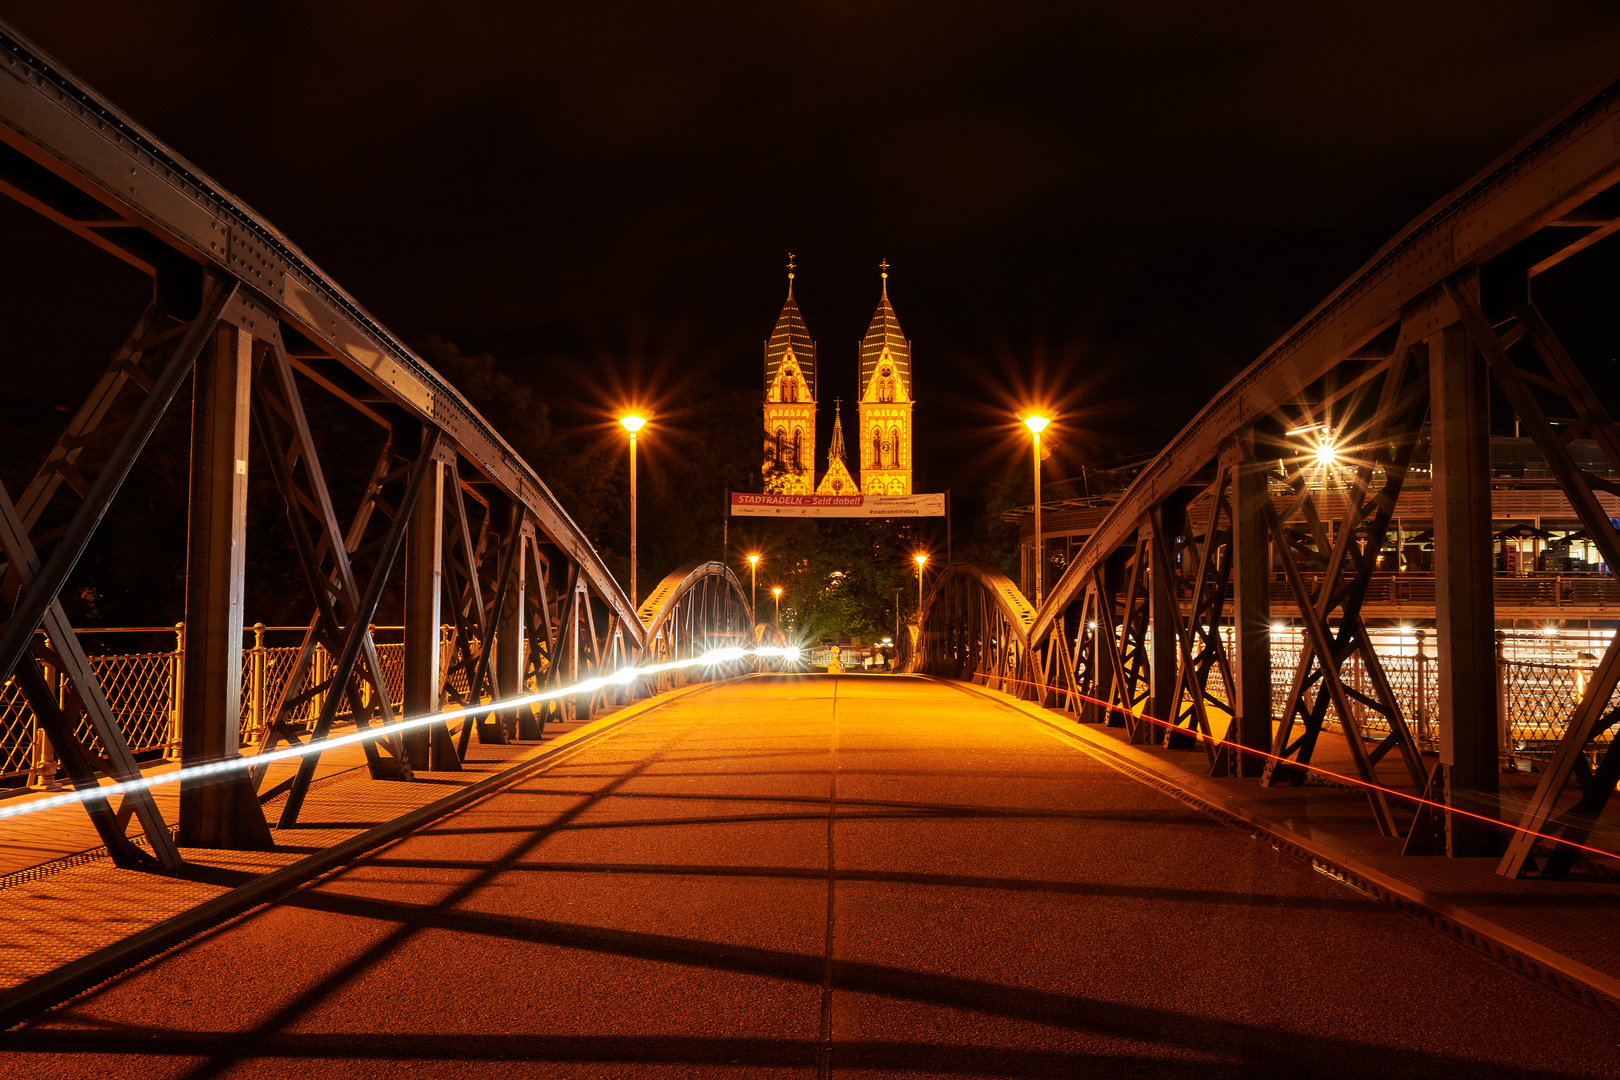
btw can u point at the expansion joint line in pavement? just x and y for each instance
(824, 1051)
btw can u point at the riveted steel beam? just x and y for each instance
(1561, 166)
(72, 155)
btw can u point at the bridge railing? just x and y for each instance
(143, 689)
(1594, 591)
(242, 316)
(975, 623)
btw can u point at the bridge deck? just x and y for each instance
(887, 877)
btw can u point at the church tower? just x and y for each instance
(790, 403)
(884, 443)
(837, 481)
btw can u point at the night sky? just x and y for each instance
(1108, 208)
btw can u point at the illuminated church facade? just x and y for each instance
(882, 450)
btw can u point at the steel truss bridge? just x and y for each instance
(483, 547)
(1401, 352)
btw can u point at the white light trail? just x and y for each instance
(621, 677)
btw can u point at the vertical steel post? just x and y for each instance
(1425, 730)
(1503, 733)
(1251, 608)
(256, 674)
(217, 811)
(43, 766)
(1464, 604)
(1164, 652)
(177, 669)
(45, 760)
(575, 701)
(634, 597)
(511, 649)
(424, 592)
(1040, 551)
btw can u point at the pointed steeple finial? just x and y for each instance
(836, 451)
(790, 265)
(884, 267)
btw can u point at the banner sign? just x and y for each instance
(744, 504)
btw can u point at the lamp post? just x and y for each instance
(921, 558)
(753, 584)
(633, 423)
(776, 594)
(1037, 424)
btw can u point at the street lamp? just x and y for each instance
(1323, 448)
(776, 594)
(921, 558)
(633, 423)
(1037, 424)
(753, 583)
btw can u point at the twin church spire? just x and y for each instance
(882, 444)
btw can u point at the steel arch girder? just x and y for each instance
(101, 175)
(1550, 173)
(1003, 650)
(662, 610)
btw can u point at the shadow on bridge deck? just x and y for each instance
(861, 876)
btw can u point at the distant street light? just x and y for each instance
(1037, 424)
(1324, 447)
(921, 559)
(633, 423)
(776, 593)
(753, 583)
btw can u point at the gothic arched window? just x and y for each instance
(798, 450)
(877, 449)
(894, 437)
(886, 384)
(781, 437)
(790, 388)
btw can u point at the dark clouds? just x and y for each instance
(1113, 205)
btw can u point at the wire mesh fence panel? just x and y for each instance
(458, 678)
(253, 694)
(1413, 679)
(276, 665)
(16, 733)
(1284, 659)
(1540, 698)
(140, 689)
(392, 658)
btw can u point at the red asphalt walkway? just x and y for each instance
(852, 876)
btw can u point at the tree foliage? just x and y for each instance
(687, 460)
